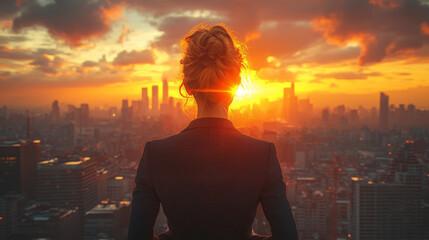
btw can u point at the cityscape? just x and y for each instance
(350, 173)
(339, 86)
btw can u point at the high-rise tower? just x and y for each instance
(155, 104)
(384, 110)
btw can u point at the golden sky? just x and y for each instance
(101, 51)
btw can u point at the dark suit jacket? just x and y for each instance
(209, 179)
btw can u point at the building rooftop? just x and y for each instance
(44, 213)
(108, 207)
(65, 162)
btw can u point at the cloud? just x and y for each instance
(347, 75)
(4, 39)
(124, 33)
(276, 75)
(8, 8)
(48, 64)
(4, 74)
(174, 28)
(11, 53)
(281, 40)
(134, 57)
(382, 28)
(73, 21)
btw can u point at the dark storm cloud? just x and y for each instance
(133, 57)
(71, 20)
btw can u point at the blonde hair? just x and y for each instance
(212, 62)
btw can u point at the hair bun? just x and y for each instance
(210, 60)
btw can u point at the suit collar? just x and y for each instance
(210, 122)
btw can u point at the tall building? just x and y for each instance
(293, 104)
(155, 103)
(286, 94)
(109, 218)
(11, 208)
(145, 101)
(290, 104)
(165, 91)
(125, 115)
(84, 115)
(118, 187)
(384, 110)
(55, 112)
(69, 182)
(18, 162)
(392, 207)
(29, 126)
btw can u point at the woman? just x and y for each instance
(210, 178)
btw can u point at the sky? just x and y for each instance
(102, 51)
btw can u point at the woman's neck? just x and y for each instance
(214, 111)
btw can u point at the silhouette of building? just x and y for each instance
(11, 209)
(325, 115)
(384, 110)
(118, 187)
(165, 91)
(165, 101)
(29, 127)
(68, 182)
(145, 101)
(84, 115)
(55, 112)
(18, 161)
(285, 110)
(155, 109)
(125, 113)
(107, 220)
(43, 222)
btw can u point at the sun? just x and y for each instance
(243, 94)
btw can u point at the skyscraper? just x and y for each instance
(384, 110)
(69, 182)
(391, 208)
(18, 161)
(84, 115)
(145, 101)
(125, 113)
(155, 104)
(164, 91)
(286, 94)
(293, 104)
(55, 112)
